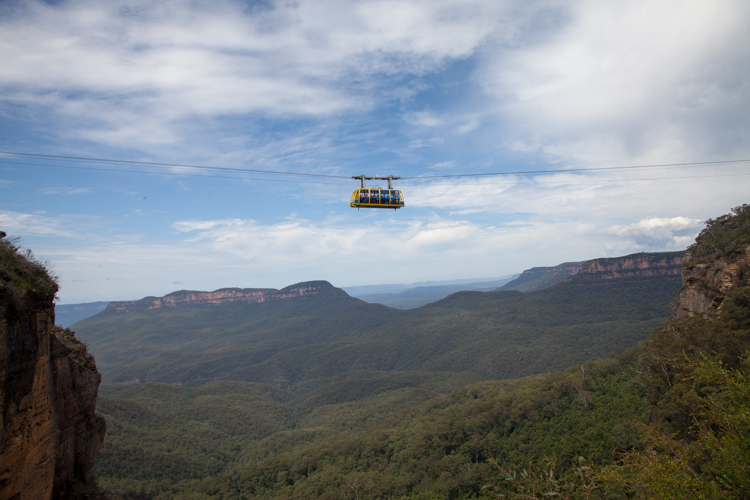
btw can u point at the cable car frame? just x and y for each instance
(365, 197)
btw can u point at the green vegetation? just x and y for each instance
(160, 436)
(24, 280)
(441, 452)
(723, 237)
(494, 335)
(346, 439)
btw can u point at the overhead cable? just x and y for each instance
(301, 174)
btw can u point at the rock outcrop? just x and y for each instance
(256, 295)
(50, 433)
(718, 262)
(637, 264)
(634, 265)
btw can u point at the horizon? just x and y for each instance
(146, 148)
(347, 289)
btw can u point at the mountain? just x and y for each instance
(638, 264)
(360, 291)
(538, 278)
(314, 331)
(50, 433)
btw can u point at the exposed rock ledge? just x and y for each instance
(705, 285)
(637, 264)
(228, 295)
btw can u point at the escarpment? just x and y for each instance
(253, 295)
(49, 431)
(638, 264)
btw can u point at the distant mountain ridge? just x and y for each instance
(421, 295)
(223, 295)
(637, 264)
(538, 278)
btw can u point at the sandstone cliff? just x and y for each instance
(228, 295)
(49, 432)
(716, 264)
(637, 264)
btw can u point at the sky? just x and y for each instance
(515, 127)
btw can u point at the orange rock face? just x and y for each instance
(704, 286)
(50, 433)
(639, 264)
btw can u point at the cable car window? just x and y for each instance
(384, 198)
(375, 196)
(364, 196)
(394, 197)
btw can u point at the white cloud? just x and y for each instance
(660, 233)
(470, 125)
(372, 247)
(65, 191)
(25, 224)
(423, 118)
(629, 82)
(443, 165)
(136, 70)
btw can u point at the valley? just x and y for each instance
(198, 383)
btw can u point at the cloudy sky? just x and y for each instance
(553, 97)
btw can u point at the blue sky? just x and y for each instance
(409, 88)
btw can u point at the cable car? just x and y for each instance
(377, 197)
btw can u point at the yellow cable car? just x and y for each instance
(377, 197)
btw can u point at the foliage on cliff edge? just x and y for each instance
(722, 237)
(24, 280)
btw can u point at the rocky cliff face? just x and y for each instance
(49, 432)
(228, 295)
(635, 265)
(716, 264)
(638, 264)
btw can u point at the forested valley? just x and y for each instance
(591, 388)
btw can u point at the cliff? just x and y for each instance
(634, 265)
(637, 264)
(254, 295)
(717, 264)
(49, 432)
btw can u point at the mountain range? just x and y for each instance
(315, 331)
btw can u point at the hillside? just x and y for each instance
(283, 338)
